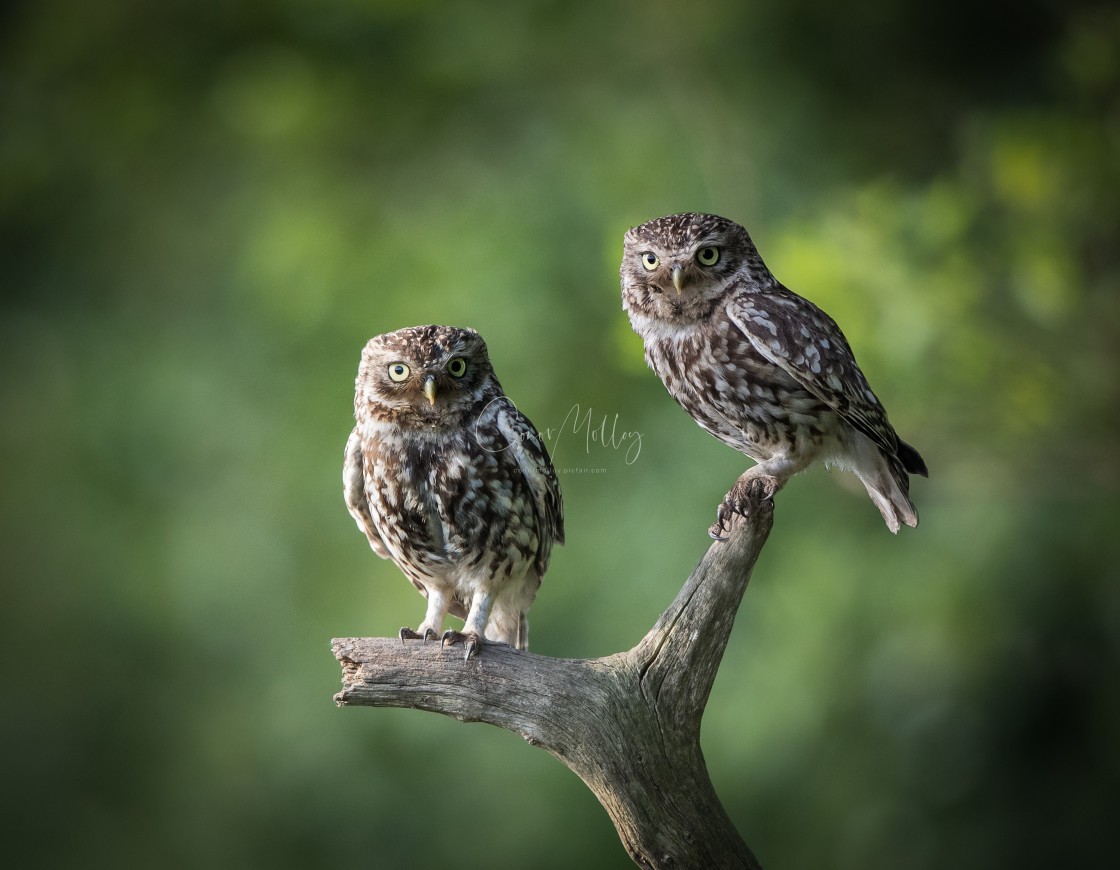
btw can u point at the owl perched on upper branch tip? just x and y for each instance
(449, 480)
(756, 365)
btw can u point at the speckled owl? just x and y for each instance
(449, 480)
(764, 370)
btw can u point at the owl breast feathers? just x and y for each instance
(756, 365)
(449, 480)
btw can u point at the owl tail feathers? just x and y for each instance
(895, 507)
(523, 632)
(889, 488)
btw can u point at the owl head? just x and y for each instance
(424, 376)
(675, 267)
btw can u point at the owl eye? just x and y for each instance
(457, 367)
(708, 256)
(398, 372)
(649, 260)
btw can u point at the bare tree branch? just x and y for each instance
(628, 724)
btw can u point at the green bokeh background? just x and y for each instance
(206, 210)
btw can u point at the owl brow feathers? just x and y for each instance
(579, 422)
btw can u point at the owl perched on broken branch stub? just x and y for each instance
(449, 480)
(756, 365)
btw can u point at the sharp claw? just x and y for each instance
(429, 634)
(725, 513)
(408, 633)
(470, 641)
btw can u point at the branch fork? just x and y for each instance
(627, 724)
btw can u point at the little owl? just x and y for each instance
(762, 369)
(449, 480)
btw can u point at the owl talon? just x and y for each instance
(407, 633)
(471, 641)
(719, 529)
(748, 491)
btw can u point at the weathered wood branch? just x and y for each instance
(628, 724)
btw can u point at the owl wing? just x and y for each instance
(803, 341)
(526, 445)
(354, 488)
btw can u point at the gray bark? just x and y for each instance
(628, 724)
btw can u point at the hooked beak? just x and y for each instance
(430, 389)
(678, 277)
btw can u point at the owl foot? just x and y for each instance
(472, 642)
(407, 633)
(749, 490)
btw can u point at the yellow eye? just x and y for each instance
(457, 367)
(708, 256)
(650, 261)
(398, 372)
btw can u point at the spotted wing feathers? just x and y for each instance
(803, 341)
(354, 488)
(526, 445)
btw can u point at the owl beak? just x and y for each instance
(430, 389)
(678, 277)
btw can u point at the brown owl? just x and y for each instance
(449, 480)
(762, 369)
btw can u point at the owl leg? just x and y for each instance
(477, 617)
(754, 485)
(508, 624)
(438, 603)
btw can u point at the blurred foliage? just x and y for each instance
(205, 211)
